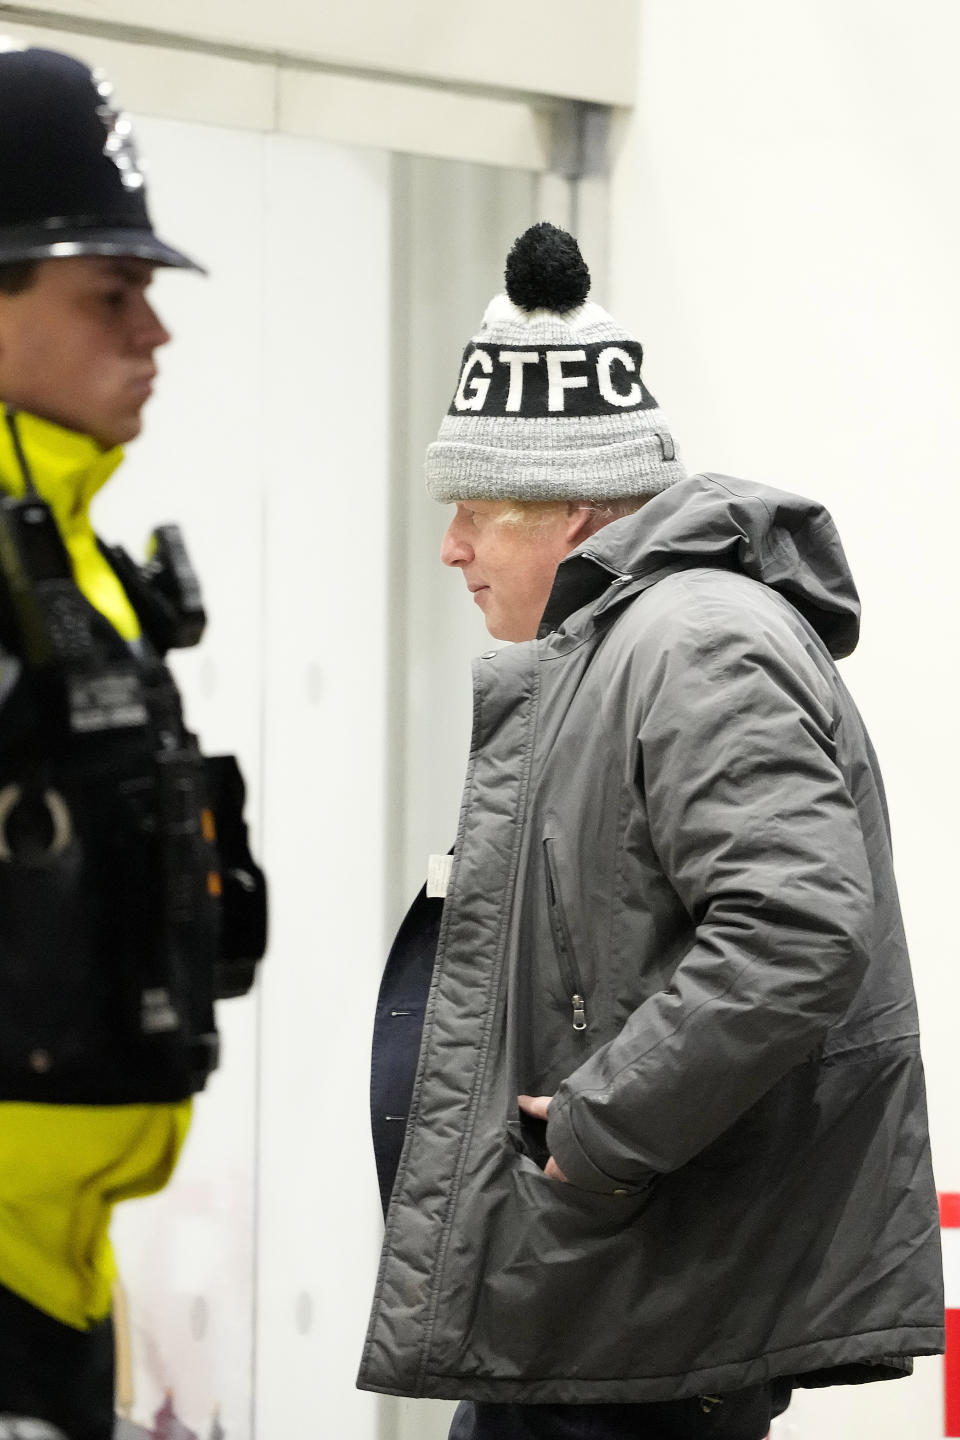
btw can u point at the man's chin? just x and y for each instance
(119, 432)
(504, 632)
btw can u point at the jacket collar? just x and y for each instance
(67, 468)
(581, 579)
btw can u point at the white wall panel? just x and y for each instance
(324, 410)
(268, 442)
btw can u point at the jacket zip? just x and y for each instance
(566, 961)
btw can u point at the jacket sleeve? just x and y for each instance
(757, 833)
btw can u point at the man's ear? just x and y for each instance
(579, 523)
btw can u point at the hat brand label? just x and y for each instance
(569, 380)
(557, 382)
(472, 390)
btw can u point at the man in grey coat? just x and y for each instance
(647, 1095)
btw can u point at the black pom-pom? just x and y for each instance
(545, 270)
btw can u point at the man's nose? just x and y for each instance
(454, 550)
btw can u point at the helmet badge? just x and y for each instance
(119, 146)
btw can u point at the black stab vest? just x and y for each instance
(109, 892)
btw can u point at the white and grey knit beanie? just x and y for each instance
(550, 404)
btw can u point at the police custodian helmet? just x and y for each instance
(70, 180)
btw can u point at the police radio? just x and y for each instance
(52, 622)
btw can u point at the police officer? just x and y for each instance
(113, 933)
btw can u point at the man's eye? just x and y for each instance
(115, 299)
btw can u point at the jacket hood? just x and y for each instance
(784, 541)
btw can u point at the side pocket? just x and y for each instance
(563, 947)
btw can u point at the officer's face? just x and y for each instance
(78, 346)
(509, 564)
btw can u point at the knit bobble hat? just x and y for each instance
(550, 403)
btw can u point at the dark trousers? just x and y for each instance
(744, 1415)
(52, 1372)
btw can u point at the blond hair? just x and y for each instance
(534, 513)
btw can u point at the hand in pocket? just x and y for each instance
(536, 1107)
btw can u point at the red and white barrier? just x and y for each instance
(950, 1237)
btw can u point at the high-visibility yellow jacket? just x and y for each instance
(64, 1167)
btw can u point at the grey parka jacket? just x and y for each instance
(673, 907)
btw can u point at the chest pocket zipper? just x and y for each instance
(566, 960)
